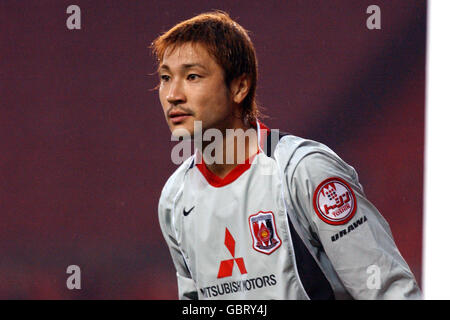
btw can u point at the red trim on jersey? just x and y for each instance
(263, 126)
(217, 181)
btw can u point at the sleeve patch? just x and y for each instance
(334, 201)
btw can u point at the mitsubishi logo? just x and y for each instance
(226, 266)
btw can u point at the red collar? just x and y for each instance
(237, 171)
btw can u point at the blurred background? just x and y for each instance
(85, 150)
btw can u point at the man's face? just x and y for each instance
(192, 88)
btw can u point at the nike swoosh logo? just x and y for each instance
(185, 213)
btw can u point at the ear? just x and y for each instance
(240, 88)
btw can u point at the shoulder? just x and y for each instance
(309, 159)
(175, 182)
(311, 167)
(292, 150)
(168, 195)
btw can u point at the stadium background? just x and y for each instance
(85, 148)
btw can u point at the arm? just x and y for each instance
(354, 235)
(186, 286)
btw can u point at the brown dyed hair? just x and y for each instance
(226, 41)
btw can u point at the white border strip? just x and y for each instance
(436, 249)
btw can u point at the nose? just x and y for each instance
(176, 93)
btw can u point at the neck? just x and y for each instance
(237, 145)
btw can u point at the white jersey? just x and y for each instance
(293, 223)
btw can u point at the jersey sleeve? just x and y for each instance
(355, 237)
(186, 286)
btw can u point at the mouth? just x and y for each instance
(177, 117)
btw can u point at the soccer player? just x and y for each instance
(262, 215)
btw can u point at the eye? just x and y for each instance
(164, 78)
(193, 76)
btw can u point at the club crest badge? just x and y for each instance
(334, 201)
(264, 232)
